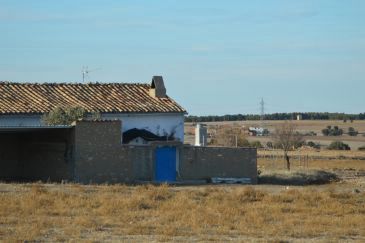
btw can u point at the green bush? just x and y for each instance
(256, 144)
(65, 116)
(352, 131)
(329, 131)
(338, 145)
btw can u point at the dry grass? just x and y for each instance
(312, 153)
(145, 213)
(73, 212)
(273, 164)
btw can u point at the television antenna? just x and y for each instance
(85, 72)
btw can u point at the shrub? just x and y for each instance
(352, 131)
(362, 148)
(325, 132)
(338, 145)
(329, 131)
(265, 132)
(256, 144)
(310, 133)
(242, 142)
(313, 144)
(269, 145)
(65, 116)
(299, 143)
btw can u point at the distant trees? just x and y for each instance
(329, 131)
(278, 116)
(287, 137)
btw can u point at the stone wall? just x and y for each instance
(200, 163)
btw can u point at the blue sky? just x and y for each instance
(217, 57)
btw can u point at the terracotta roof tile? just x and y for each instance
(35, 98)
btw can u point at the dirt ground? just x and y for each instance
(266, 212)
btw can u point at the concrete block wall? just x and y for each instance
(142, 158)
(199, 163)
(99, 155)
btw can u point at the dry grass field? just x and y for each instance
(144, 213)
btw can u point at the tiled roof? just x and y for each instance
(35, 98)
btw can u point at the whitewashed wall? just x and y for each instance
(20, 120)
(158, 123)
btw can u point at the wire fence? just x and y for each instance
(276, 160)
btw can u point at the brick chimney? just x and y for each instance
(157, 89)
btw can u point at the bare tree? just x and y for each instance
(287, 138)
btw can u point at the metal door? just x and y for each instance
(165, 166)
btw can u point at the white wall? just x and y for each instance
(158, 123)
(20, 120)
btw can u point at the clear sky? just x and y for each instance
(217, 57)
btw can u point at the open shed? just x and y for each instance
(36, 153)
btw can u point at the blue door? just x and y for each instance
(165, 169)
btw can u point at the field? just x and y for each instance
(302, 127)
(322, 199)
(144, 213)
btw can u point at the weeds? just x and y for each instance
(74, 212)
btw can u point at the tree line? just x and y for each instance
(279, 116)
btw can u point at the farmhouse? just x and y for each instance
(138, 137)
(142, 107)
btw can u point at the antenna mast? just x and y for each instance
(262, 109)
(85, 72)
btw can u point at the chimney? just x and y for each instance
(157, 89)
